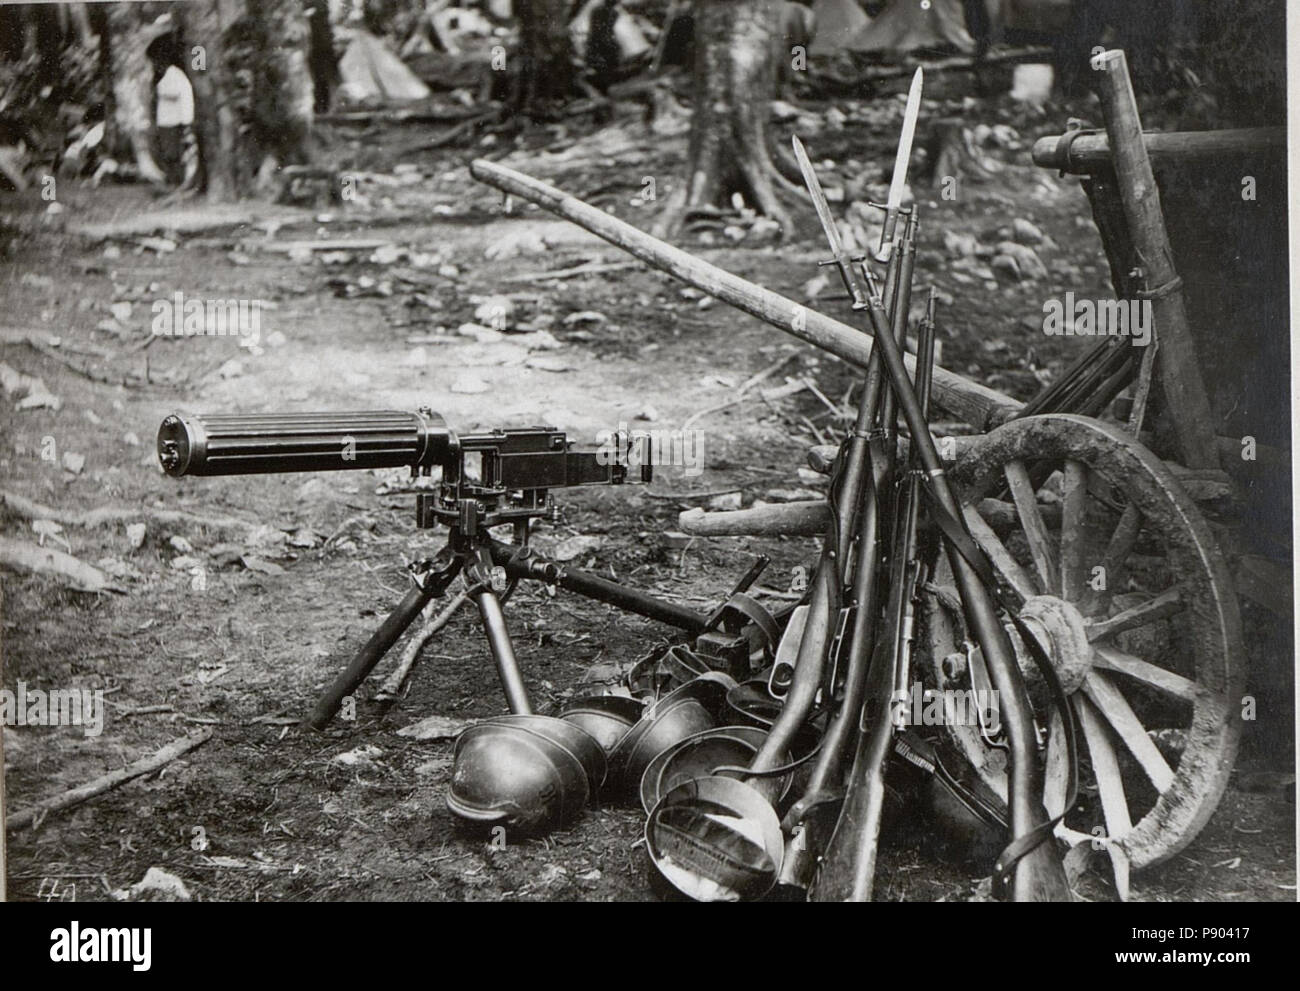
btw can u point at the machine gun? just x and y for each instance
(486, 480)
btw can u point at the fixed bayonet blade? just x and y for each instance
(841, 259)
(822, 207)
(902, 159)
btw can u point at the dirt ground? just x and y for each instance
(266, 809)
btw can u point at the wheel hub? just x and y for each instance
(1060, 629)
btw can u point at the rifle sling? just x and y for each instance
(956, 535)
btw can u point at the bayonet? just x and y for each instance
(902, 158)
(840, 258)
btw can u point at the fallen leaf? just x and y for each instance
(207, 677)
(435, 728)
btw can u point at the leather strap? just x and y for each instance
(961, 541)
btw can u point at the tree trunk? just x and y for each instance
(283, 95)
(132, 84)
(216, 120)
(546, 78)
(253, 96)
(735, 80)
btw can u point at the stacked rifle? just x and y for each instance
(846, 666)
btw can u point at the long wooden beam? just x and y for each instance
(981, 407)
(1090, 153)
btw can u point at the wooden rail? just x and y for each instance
(1090, 152)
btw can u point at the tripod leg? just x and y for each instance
(503, 651)
(382, 639)
(594, 587)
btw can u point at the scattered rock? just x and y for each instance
(1024, 232)
(260, 565)
(496, 312)
(363, 757)
(727, 500)
(469, 385)
(961, 245)
(550, 363)
(514, 244)
(303, 537)
(135, 533)
(484, 335)
(73, 462)
(157, 885)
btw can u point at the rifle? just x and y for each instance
(1029, 864)
(848, 866)
(486, 480)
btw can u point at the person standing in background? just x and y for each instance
(174, 114)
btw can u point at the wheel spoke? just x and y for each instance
(1112, 559)
(1108, 699)
(1056, 772)
(992, 545)
(1112, 659)
(1040, 545)
(1167, 603)
(1110, 786)
(1074, 504)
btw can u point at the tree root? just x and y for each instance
(108, 515)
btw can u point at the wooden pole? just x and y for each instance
(981, 407)
(1186, 403)
(1090, 153)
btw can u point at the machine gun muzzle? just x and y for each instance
(268, 443)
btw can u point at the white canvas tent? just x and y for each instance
(837, 21)
(907, 25)
(371, 72)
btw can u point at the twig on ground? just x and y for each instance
(392, 685)
(587, 268)
(107, 782)
(779, 393)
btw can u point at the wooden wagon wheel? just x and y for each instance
(1120, 579)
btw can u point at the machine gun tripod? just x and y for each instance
(488, 480)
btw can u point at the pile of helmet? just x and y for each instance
(679, 736)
